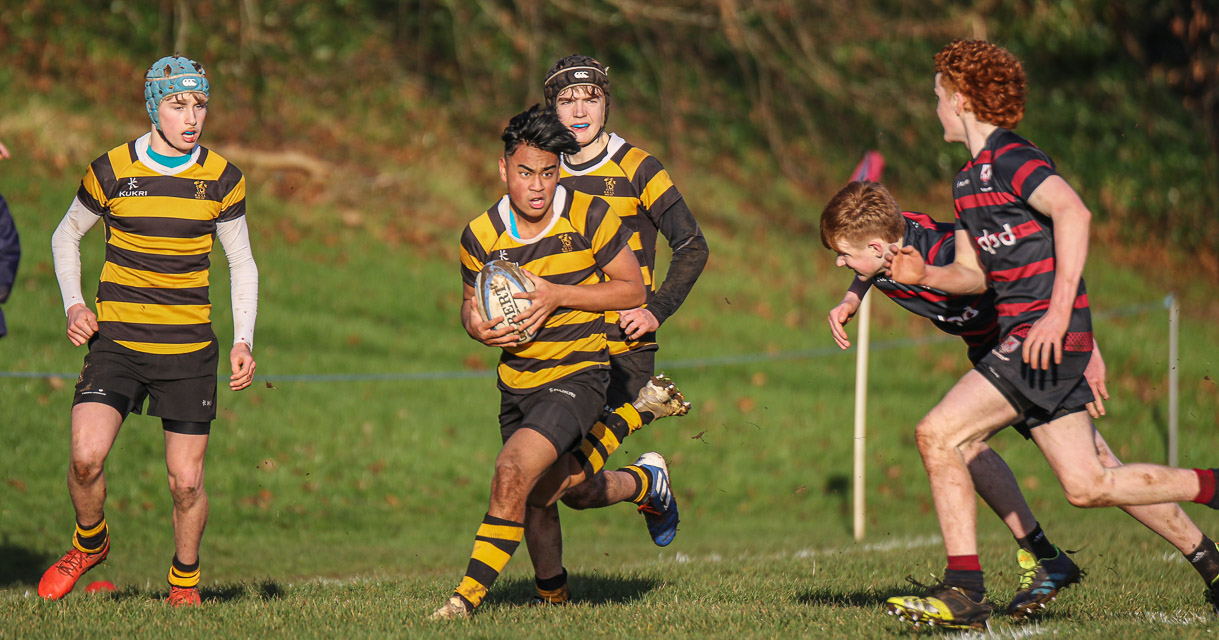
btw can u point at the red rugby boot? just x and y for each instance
(58, 581)
(183, 597)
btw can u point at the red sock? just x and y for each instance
(964, 563)
(1206, 485)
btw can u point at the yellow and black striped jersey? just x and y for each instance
(153, 293)
(582, 238)
(639, 190)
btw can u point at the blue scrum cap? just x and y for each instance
(170, 76)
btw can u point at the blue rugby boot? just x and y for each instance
(1041, 581)
(659, 507)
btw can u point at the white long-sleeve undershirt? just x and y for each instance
(234, 237)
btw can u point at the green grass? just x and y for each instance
(347, 508)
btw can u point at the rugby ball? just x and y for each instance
(493, 289)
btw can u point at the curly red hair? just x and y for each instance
(989, 77)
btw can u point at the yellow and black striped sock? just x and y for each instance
(606, 436)
(183, 575)
(91, 539)
(643, 482)
(494, 544)
(553, 590)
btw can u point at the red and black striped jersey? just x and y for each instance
(973, 317)
(639, 190)
(160, 223)
(1015, 242)
(581, 239)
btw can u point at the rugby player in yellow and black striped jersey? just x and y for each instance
(162, 198)
(552, 389)
(641, 192)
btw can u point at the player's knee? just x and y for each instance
(577, 497)
(974, 450)
(1086, 492)
(185, 488)
(85, 471)
(508, 482)
(929, 437)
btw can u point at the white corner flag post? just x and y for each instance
(861, 404)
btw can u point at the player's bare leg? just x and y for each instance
(971, 411)
(94, 429)
(1069, 445)
(582, 483)
(524, 459)
(184, 456)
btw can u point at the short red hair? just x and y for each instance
(989, 76)
(859, 212)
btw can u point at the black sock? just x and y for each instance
(1038, 544)
(1205, 560)
(969, 581)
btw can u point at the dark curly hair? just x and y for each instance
(989, 76)
(539, 127)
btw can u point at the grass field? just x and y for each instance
(346, 485)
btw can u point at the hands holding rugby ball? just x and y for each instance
(511, 303)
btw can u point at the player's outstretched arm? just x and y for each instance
(485, 331)
(842, 314)
(964, 276)
(1056, 199)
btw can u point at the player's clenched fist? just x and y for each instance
(905, 265)
(82, 324)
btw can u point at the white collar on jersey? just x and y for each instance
(556, 208)
(615, 143)
(141, 152)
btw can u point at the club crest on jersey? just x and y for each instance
(200, 190)
(984, 176)
(990, 241)
(131, 190)
(610, 187)
(566, 240)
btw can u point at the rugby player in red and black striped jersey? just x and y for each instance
(1022, 229)
(162, 198)
(552, 389)
(862, 222)
(641, 192)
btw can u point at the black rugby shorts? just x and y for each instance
(563, 411)
(180, 387)
(1040, 395)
